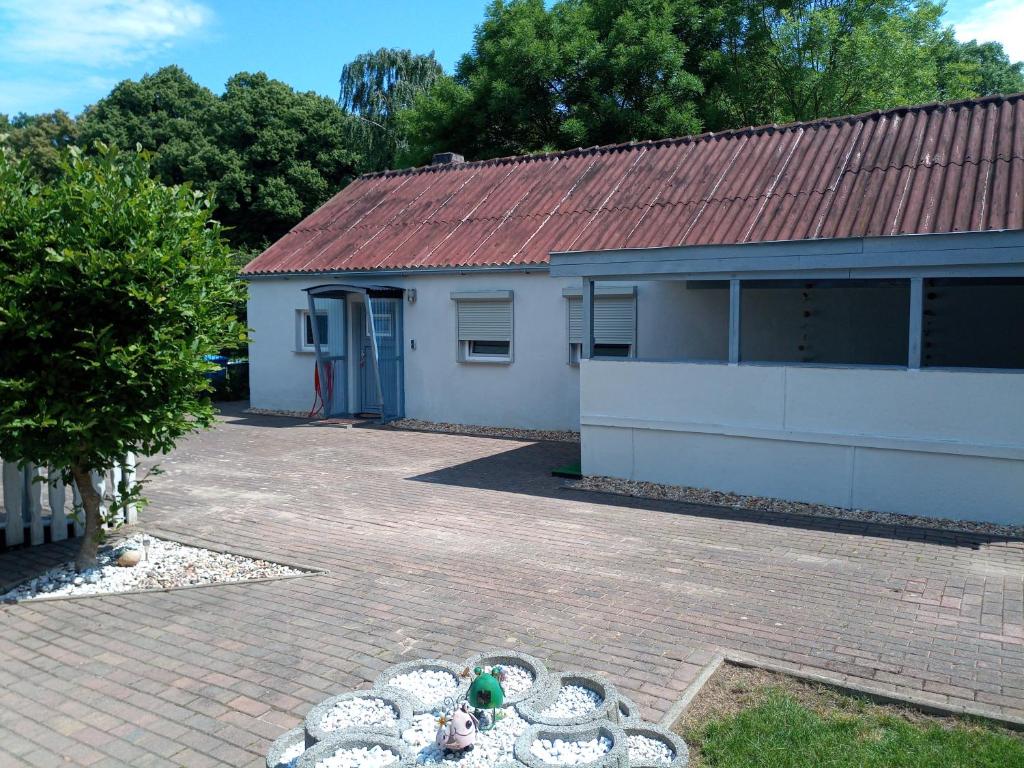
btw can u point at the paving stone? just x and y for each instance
(441, 546)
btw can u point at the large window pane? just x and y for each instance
(973, 323)
(828, 322)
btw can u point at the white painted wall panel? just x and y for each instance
(942, 443)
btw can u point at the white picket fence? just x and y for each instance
(26, 505)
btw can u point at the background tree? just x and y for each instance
(39, 138)
(581, 72)
(112, 289)
(267, 154)
(375, 87)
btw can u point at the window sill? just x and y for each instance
(486, 360)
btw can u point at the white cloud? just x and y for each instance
(95, 33)
(998, 20)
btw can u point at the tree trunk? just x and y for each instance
(91, 501)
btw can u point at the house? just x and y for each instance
(830, 311)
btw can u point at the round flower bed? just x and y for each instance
(651, 746)
(427, 683)
(594, 745)
(572, 698)
(358, 749)
(527, 676)
(569, 718)
(384, 710)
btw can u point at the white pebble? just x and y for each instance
(359, 757)
(169, 565)
(492, 747)
(431, 686)
(574, 700)
(561, 752)
(290, 757)
(359, 713)
(517, 680)
(649, 750)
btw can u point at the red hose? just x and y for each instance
(318, 395)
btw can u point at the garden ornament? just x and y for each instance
(457, 731)
(486, 693)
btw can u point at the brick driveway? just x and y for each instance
(442, 545)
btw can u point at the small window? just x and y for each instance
(614, 322)
(484, 326)
(306, 339)
(825, 322)
(611, 350)
(973, 323)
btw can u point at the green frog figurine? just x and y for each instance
(486, 693)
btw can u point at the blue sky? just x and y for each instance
(68, 53)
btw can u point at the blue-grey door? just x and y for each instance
(369, 400)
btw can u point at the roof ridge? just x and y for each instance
(699, 137)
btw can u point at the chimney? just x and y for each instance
(446, 158)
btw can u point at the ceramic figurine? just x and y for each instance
(458, 731)
(486, 693)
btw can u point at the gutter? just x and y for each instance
(343, 273)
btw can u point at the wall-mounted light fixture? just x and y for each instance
(410, 294)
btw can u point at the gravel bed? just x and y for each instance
(427, 683)
(553, 435)
(359, 757)
(573, 701)
(492, 748)
(517, 681)
(169, 565)
(644, 490)
(359, 713)
(560, 752)
(649, 750)
(431, 686)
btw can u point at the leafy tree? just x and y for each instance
(375, 87)
(582, 72)
(286, 154)
(39, 138)
(975, 69)
(267, 154)
(803, 59)
(112, 289)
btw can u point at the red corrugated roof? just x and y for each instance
(949, 167)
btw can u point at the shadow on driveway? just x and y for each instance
(527, 470)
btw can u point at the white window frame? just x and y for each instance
(300, 331)
(464, 348)
(602, 291)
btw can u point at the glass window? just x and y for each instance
(321, 329)
(828, 322)
(973, 323)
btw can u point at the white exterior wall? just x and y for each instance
(935, 443)
(538, 390)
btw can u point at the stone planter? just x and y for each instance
(533, 710)
(536, 668)
(418, 705)
(626, 712)
(284, 744)
(354, 740)
(394, 697)
(680, 752)
(616, 757)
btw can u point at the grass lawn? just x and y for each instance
(749, 718)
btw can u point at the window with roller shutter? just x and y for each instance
(614, 321)
(484, 326)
